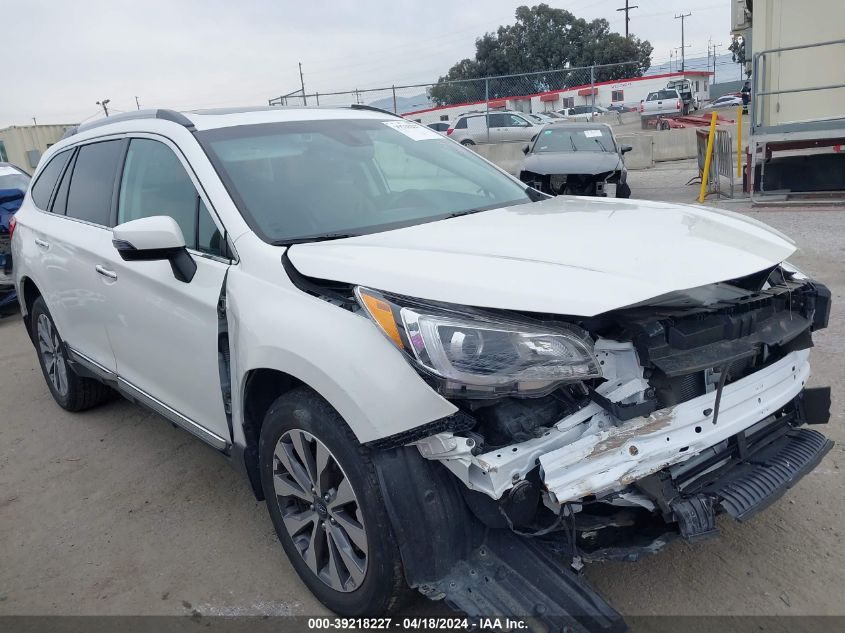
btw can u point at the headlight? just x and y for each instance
(477, 355)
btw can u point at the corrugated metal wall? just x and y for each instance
(25, 144)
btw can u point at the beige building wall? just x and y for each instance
(782, 23)
(24, 144)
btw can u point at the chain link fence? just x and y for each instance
(487, 92)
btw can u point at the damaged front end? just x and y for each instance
(698, 410)
(610, 184)
(580, 439)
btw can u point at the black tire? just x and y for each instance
(467, 142)
(383, 589)
(623, 191)
(76, 393)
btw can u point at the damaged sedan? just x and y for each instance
(578, 159)
(440, 379)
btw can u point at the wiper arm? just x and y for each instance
(458, 214)
(325, 237)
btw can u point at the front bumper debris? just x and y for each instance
(587, 453)
(623, 454)
(752, 484)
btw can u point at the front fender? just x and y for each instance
(339, 354)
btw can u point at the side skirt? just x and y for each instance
(92, 369)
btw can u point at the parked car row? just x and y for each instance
(576, 113)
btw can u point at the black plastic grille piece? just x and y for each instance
(745, 496)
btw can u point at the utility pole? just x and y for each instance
(137, 105)
(34, 122)
(626, 8)
(302, 83)
(715, 46)
(104, 103)
(682, 16)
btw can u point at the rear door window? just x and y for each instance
(60, 199)
(46, 182)
(92, 182)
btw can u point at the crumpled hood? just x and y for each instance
(564, 255)
(572, 163)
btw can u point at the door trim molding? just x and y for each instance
(151, 402)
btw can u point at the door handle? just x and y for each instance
(42, 243)
(105, 272)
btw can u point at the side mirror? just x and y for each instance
(525, 150)
(155, 238)
(625, 148)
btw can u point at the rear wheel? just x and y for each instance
(325, 503)
(70, 390)
(467, 142)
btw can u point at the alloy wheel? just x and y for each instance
(320, 510)
(49, 345)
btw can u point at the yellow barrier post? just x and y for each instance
(739, 143)
(708, 158)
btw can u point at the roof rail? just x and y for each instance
(159, 113)
(364, 106)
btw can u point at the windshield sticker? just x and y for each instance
(413, 131)
(592, 133)
(547, 132)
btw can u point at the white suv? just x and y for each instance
(473, 128)
(416, 359)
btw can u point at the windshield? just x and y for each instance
(13, 179)
(303, 180)
(574, 140)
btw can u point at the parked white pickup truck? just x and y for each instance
(661, 103)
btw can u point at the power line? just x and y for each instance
(626, 9)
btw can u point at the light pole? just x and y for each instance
(104, 103)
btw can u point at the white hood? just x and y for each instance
(565, 255)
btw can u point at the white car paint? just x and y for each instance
(566, 255)
(158, 231)
(600, 254)
(164, 331)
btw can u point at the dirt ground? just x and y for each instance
(114, 511)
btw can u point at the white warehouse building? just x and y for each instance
(627, 92)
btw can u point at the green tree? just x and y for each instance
(542, 38)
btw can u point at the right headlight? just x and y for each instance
(473, 354)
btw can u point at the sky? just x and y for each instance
(61, 57)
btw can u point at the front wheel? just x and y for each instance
(325, 503)
(467, 142)
(623, 191)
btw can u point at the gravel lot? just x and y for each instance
(114, 511)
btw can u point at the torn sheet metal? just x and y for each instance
(616, 457)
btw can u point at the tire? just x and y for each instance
(300, 426)
(467, 142)
(623, 191)
(71, 391)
